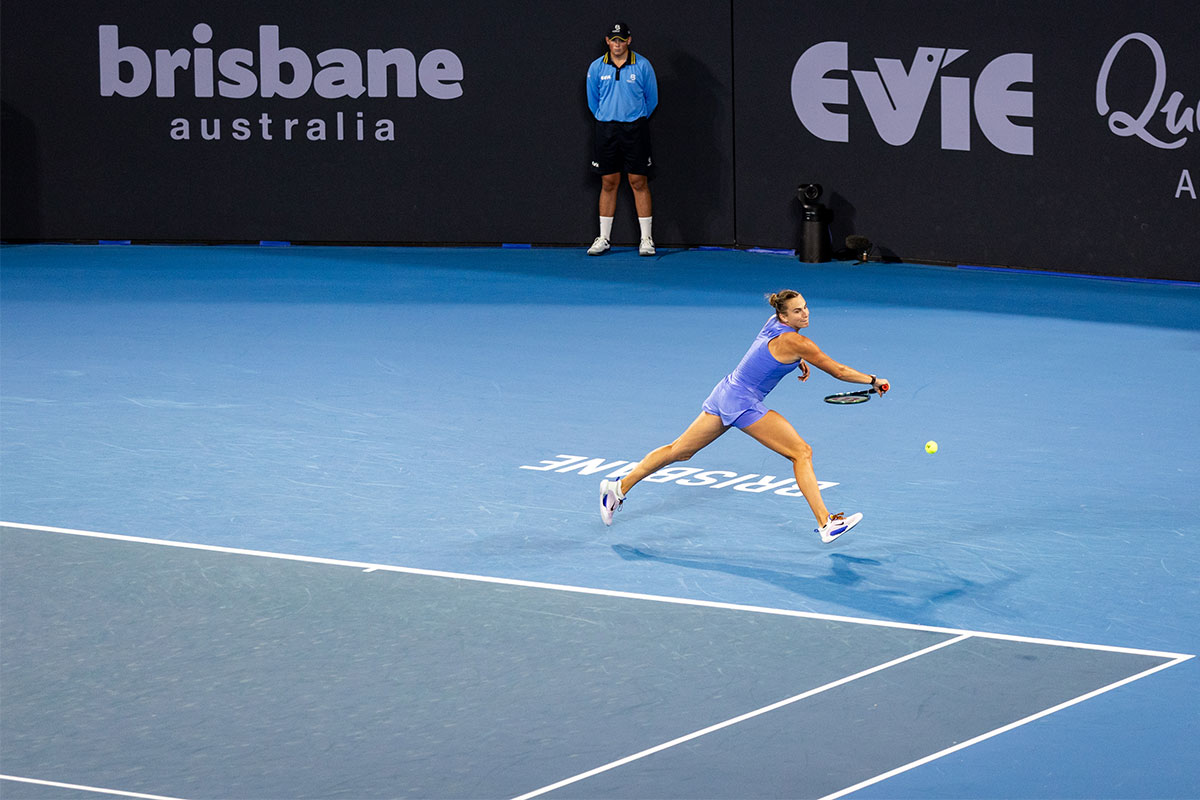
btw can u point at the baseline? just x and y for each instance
(371, 567)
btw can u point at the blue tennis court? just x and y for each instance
(321, 522)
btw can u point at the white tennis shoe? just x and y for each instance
(598, 246)
(837, 525)
(611, 499)
(646, 248)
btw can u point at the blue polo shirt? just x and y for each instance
(621, 94)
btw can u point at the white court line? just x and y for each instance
(734, 721)
(884, 776)
(77, 787)
(369, 567)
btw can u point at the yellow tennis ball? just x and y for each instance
(931, 447)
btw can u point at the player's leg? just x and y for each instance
(778, 434)
(701, 433)
(703, 430)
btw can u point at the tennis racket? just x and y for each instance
(850, 398)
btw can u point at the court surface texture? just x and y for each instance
(305, 522)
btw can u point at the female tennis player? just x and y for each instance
(738, 401)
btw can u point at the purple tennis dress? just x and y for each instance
(738, 399)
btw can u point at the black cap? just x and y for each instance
(617, 30)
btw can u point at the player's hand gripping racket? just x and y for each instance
(860, 396)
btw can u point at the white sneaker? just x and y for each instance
(611, 499)
(837, 525)
(598, 246)
(646, 248)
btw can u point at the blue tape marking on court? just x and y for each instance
(347, 403)
(1080, 275)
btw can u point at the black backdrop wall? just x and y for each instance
(1031, 134)
(970, 132)
(502, 156)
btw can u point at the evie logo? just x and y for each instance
(896, 95)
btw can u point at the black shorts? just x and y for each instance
(623, 147)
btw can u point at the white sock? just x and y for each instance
(645, 222)
(606, 228)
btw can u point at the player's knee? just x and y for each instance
(801, 452)
(637, 182)
(609, 183)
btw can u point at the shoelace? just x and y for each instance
(838, 517)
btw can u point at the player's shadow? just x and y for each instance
(889, 590)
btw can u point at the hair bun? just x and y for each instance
(780, 298)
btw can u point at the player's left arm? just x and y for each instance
(794, 346)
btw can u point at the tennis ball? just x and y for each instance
(931, 447)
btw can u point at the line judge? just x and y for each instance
(622, 93)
